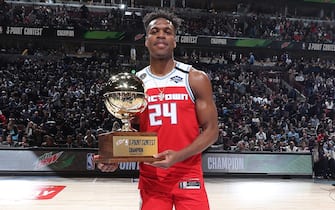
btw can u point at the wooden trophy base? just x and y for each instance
(127, 146)
(125, 159)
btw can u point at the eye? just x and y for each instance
(153, 31)
(168, 31)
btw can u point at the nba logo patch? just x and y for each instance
(176, 79)
(90, 165)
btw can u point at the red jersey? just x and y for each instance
(171, 114)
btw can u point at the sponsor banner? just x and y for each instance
(322, 1)
(80, 161)
(127, 37)
(22, 31)
(320, 47)
(216, 41)
(70, 33)
(44, 32)
(187, 39)
(45, 160)
(253, 43)
(263, 43)
(90, 164)
(104, 35)
(258, 163)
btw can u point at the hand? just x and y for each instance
(168, 158)
(106, 167)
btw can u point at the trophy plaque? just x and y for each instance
(124, 97)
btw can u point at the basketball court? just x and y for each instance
(55, 193)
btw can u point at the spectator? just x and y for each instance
(9, 141)
(89, 140)
(329, 107)
(49, 141)
(84, 12)
(241, 146)
(292, 147)
(1, 140)
(260, 145)
(79, 140)
(24, 142)
(269, 147)
(3, 119)
(70, 143)
(293, 135)
(320, 166)
(13, 131)
(251, 58)
(329, 153)
(260, 135)
(303, 146)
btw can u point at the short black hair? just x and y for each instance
(176, 21)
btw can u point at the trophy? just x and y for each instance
(124, 97)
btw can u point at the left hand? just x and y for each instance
(106, 167)
(169, 157)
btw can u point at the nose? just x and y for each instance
(161, 34)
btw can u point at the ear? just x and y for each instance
(175, 42)
(146, 40)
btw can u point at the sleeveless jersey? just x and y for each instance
(171, 114)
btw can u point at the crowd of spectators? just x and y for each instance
(56, 101)
(203, 23)
(78, 16)
(53, 102)
(257, 26)
(255, 116)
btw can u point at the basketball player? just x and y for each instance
(182, 112)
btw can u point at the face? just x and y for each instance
(9, 139)
(160, 39)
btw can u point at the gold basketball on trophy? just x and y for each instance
(124, 97)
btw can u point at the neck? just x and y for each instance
(161, 67)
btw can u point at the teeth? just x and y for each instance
(161, 44)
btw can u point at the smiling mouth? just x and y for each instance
(161, 44)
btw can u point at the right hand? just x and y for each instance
(106, 167)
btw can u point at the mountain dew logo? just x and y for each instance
(47, 159)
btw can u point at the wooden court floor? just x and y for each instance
(51, 193)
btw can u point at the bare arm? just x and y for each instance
(207, 117)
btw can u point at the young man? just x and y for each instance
(182, 112)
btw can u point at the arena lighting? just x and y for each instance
(122, 6)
